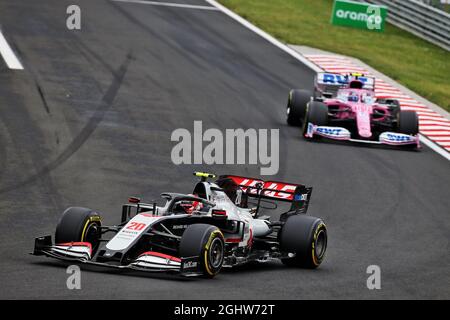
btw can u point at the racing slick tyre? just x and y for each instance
(296, 106)
(316, 113)
(79, 224)
(206, 242)
(408, 122)
(306, 237)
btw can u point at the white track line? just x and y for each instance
(8, 54)
(435, 147)
(169, 4)
(265, 35)
(304, 60)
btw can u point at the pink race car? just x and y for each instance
(344, 107)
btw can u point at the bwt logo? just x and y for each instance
(398, 138)
(339, 79)
(234, 146)
(329, 131)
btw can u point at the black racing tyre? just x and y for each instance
(408, 122)
(306, 237)
(79, 225)
(207, 242)
(296, 106)
(316, 113)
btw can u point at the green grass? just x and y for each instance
(415, 63)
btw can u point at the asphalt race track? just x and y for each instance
(89, 119)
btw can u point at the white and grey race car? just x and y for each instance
(195, 234)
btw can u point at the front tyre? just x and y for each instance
(408, 122)
(206, 242)
(296, 106)
(317, 114)
(304, 240)
(79, 224)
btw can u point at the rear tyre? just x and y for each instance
(305, 238)
(296, 106)
(207, 242)
(79, 225)
(317, 114)
(408, 122)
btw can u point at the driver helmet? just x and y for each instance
(365, 97)
(190, 206)
(352, 97)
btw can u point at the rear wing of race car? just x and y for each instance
(298, 195)
(327, 83)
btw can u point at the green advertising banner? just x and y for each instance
(359, 15)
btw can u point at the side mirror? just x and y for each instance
(134, 200)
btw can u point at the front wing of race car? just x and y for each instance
(339, 133)
(151, 261)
